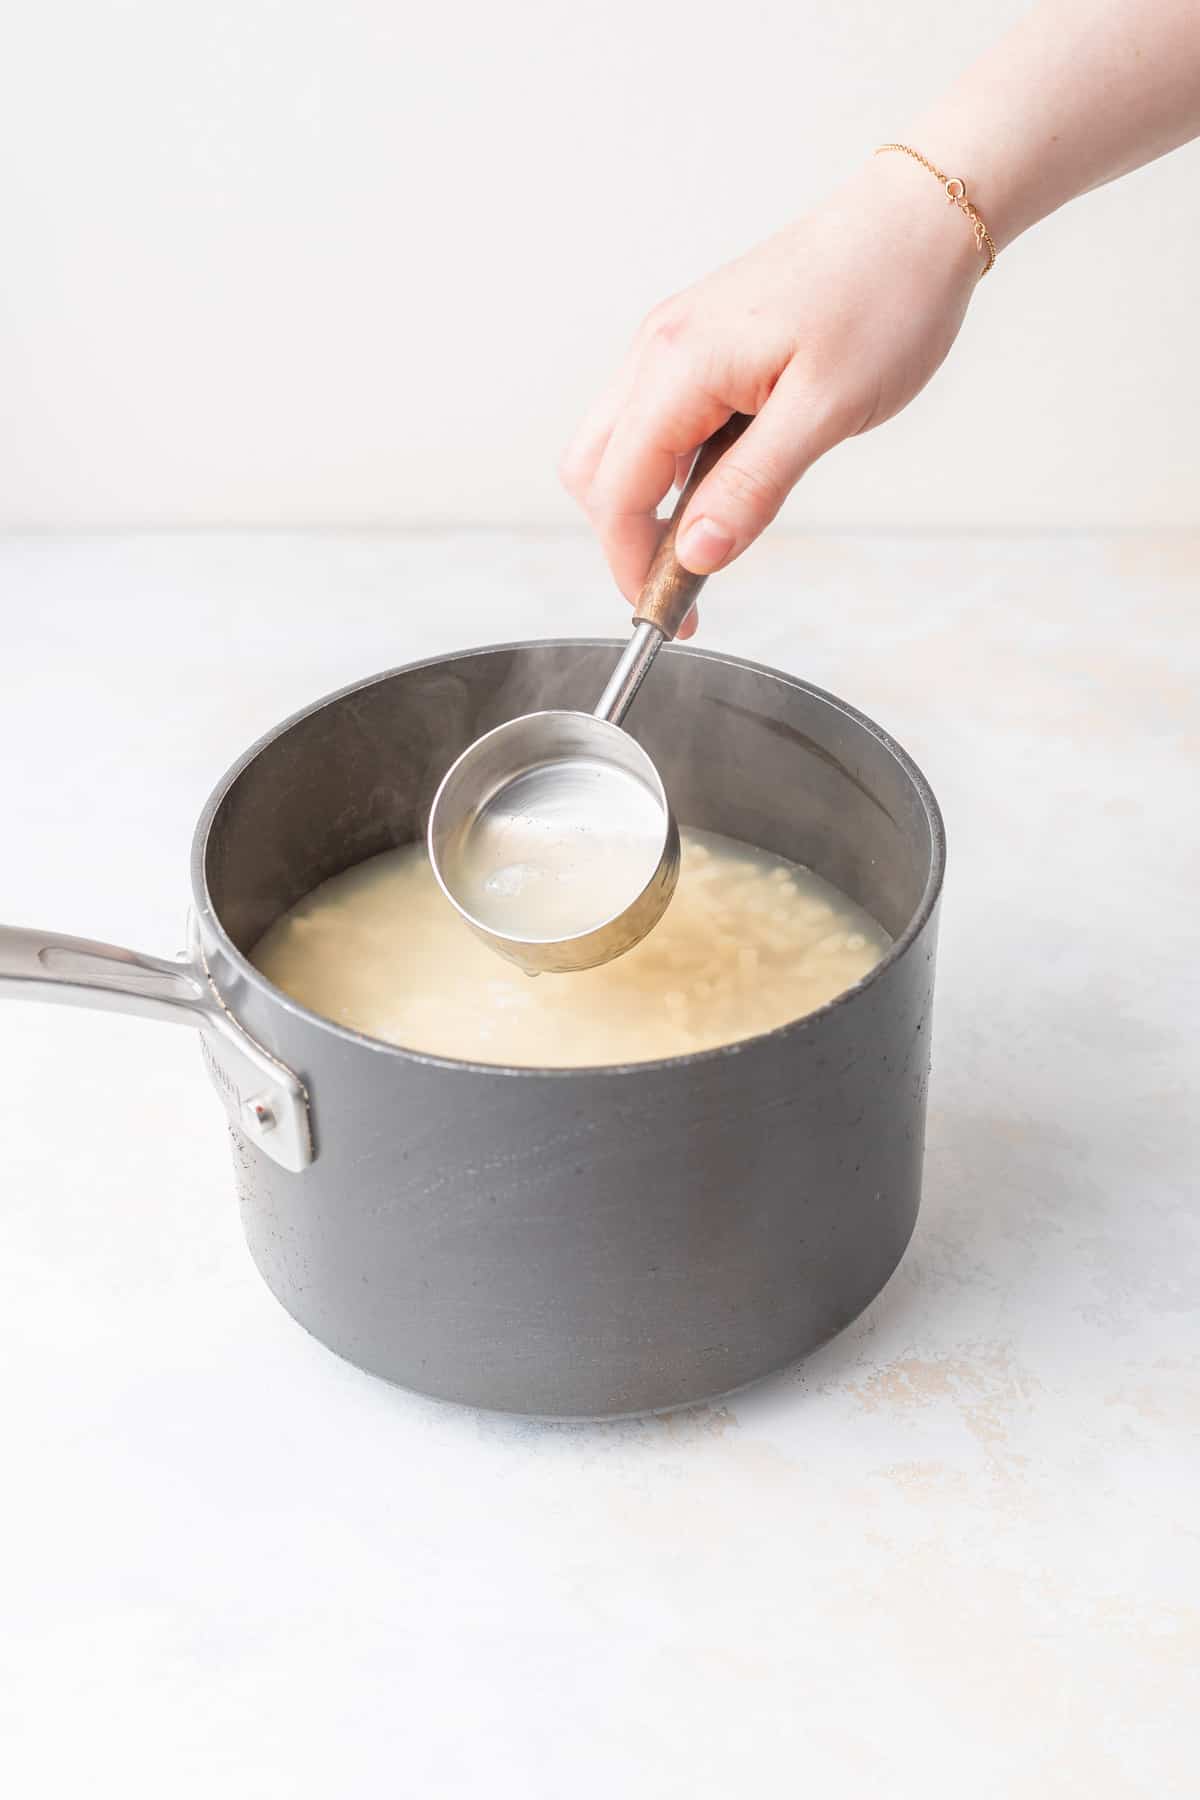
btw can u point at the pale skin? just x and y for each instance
(834, 324)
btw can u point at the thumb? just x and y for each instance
(741, 496)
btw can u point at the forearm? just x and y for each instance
(1080, 92)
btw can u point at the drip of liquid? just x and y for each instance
(749, 942)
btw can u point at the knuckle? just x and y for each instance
(664, 327)
(753, 488)
(822, 401)
(834, 408)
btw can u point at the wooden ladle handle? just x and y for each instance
(669, 590)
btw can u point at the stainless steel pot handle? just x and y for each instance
(264, 1099)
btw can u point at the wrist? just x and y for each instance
(932, 235)
(994, 167)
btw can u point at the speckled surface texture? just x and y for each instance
(955, 1552)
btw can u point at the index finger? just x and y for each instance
(639, 465)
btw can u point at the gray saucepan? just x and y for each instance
(562, 1242)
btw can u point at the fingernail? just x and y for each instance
(704, 546)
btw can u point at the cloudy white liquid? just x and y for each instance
(748, 943)
(571, 846)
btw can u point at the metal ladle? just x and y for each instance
(553, 835)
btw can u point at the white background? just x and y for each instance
(363, 263)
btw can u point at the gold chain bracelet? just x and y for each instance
(956, 194)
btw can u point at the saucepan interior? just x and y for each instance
(742, 750)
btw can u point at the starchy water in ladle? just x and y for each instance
(561, 851)
(748, 943)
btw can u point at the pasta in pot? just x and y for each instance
(748, 943)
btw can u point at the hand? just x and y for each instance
(823, 331)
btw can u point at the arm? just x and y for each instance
(833, 325)
(1079, 93)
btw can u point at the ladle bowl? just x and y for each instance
(554, 838)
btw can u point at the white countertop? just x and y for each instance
(955, 1553)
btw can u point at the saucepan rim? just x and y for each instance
(212, 927)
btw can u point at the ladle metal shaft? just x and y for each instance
(630, 672)
(669, 591)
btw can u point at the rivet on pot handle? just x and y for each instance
(263, 1098)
